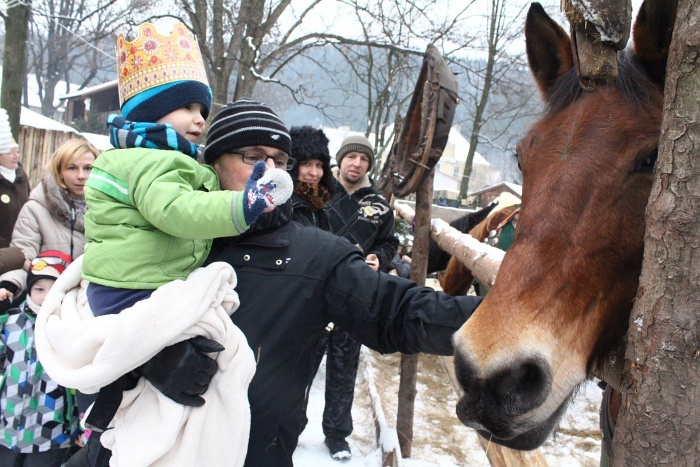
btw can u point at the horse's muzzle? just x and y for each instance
(498, 403)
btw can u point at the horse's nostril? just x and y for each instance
(522, 387)
(466, 376)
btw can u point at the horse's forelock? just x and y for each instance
(633, 82)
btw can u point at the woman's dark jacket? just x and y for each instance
(304, 215)
(294, 280)
(13, 195)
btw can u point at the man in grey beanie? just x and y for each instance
(356, 143)
(361, 215)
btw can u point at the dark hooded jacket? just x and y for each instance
(292, 281)
(366, 219)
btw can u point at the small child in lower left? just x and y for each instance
(39, 418)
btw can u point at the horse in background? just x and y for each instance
(567, 283)
(437, 258)
(457, 278)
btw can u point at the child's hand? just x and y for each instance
(5, 295)
(265, 190)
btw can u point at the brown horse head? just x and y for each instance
(566, 285)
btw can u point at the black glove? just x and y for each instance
(183, 371)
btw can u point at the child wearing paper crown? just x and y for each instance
(153, 209)
(39, 418)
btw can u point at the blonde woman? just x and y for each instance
(53, 217)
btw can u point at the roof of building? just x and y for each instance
(89, 90)
(33, 119)
(514, 187)
(445, 182)
(101, 142)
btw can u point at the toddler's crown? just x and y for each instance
(158, 74)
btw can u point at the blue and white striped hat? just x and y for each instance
(245, 123)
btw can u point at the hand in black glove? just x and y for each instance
(183, 371)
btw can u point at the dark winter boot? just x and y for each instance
(339, 448)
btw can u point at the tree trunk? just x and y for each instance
(660, 418)
(497, 11)
(221, 69)
(419, 269)
(14, 62)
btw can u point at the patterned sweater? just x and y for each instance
(37, 413)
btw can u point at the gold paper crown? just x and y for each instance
(152, 59)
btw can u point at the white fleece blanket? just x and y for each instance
(79, 350)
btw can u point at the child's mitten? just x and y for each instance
(265, 189)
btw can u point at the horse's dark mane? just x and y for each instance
(633, 81)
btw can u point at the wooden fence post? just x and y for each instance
(419, 269)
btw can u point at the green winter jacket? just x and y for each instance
(152, 215)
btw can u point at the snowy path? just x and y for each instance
(312, 452)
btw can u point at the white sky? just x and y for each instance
(338, 18)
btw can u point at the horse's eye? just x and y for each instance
(517, 159)
(646, 165)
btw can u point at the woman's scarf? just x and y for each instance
(59, 203)
(315, 195)
(124, 135)
(9, 174)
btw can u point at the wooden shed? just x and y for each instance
(88, 108)
(483, 197)
(39, 137)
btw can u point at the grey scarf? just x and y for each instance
(62, 207)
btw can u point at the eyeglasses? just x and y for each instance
(251, 156)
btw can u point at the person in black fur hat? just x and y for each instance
(314, 185)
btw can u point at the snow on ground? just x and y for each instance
(577, 442)
(313, 453)
(439, 438)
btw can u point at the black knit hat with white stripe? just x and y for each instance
(245, 123)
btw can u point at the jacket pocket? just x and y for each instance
(180, 257)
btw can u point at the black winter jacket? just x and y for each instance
(294, 280)
(366, 219)
(13, 195)
(306, 217)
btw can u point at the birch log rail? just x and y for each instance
(483, 260)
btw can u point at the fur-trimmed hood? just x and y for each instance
(44, 223)
(58, 203)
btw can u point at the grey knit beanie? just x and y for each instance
(355, 143)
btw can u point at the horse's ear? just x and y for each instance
(548, 48)
(652, 33)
